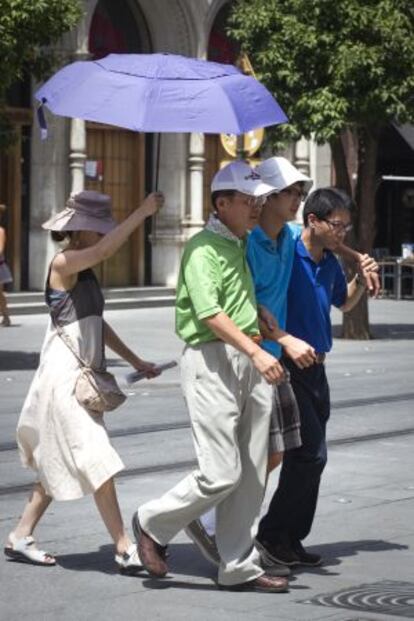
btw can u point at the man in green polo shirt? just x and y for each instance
(226, 378)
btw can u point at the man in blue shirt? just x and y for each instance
(317, 281)
(270, 253)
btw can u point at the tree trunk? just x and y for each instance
(340, 160)
(356, 322)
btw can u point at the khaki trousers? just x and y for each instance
(229, 405)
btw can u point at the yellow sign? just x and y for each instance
(251, 142)
(253, 162)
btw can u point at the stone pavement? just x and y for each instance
(365, 520)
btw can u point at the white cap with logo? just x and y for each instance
(280, 173)
(240, 177)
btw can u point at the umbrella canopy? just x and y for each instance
(161, 93)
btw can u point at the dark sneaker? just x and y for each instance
(280, 553)
(274, 569)
(262, 584)
(205, 542)
(306, 558)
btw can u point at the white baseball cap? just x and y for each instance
(241, 177)
(280, 173)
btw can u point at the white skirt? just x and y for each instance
(67, 446)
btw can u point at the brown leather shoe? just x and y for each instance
(149, 551)
(262, 584)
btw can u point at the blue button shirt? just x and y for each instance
(271, 262)
(313, 288)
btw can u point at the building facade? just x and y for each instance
(79, 154)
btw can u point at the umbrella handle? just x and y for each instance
(157, 160)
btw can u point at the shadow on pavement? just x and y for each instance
(101, 560)
(185, 560)
(18, 360)
(165, 583)
(389, 331)
(332, 553)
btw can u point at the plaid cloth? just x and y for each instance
(284, 432)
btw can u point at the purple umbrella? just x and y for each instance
(161, 93)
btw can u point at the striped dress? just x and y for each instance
(65, 444)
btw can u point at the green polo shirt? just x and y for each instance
(214, 277)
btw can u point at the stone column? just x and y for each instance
(167, 237)
(194, 220)
(302, 156)
(77, 155)
(182, 215)
(301, 159)
(77, 144)
(52, 180)
(48, 193)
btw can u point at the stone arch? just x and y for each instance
(170, 26)
(214, 10)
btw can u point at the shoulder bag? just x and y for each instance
(95, 389)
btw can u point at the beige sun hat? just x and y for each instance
(85, 211)
(280, 173)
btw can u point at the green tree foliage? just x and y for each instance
(342, 70)
(27, 28)
(332, 63)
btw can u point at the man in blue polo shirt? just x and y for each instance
(316, 282)
(270, 253)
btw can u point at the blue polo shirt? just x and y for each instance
(313, 288)
(271, 262)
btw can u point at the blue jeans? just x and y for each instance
(292, 508)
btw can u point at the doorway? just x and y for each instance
(115, 166)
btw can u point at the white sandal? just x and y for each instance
(24, 550)
(129, 562)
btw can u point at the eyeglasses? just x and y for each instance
(337, 225)
(254, 202)
(257, 202)
(300, 194)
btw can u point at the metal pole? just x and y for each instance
(240, 150)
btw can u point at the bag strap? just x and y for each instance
(65, 337)
(67, 340)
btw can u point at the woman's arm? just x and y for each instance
(74, 261)
(118, 346)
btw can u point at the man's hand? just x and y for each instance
(268, 325)
(268, 366)
(368, 270)
(266, 319)
(302, 354)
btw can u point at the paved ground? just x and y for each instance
(365, 521)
